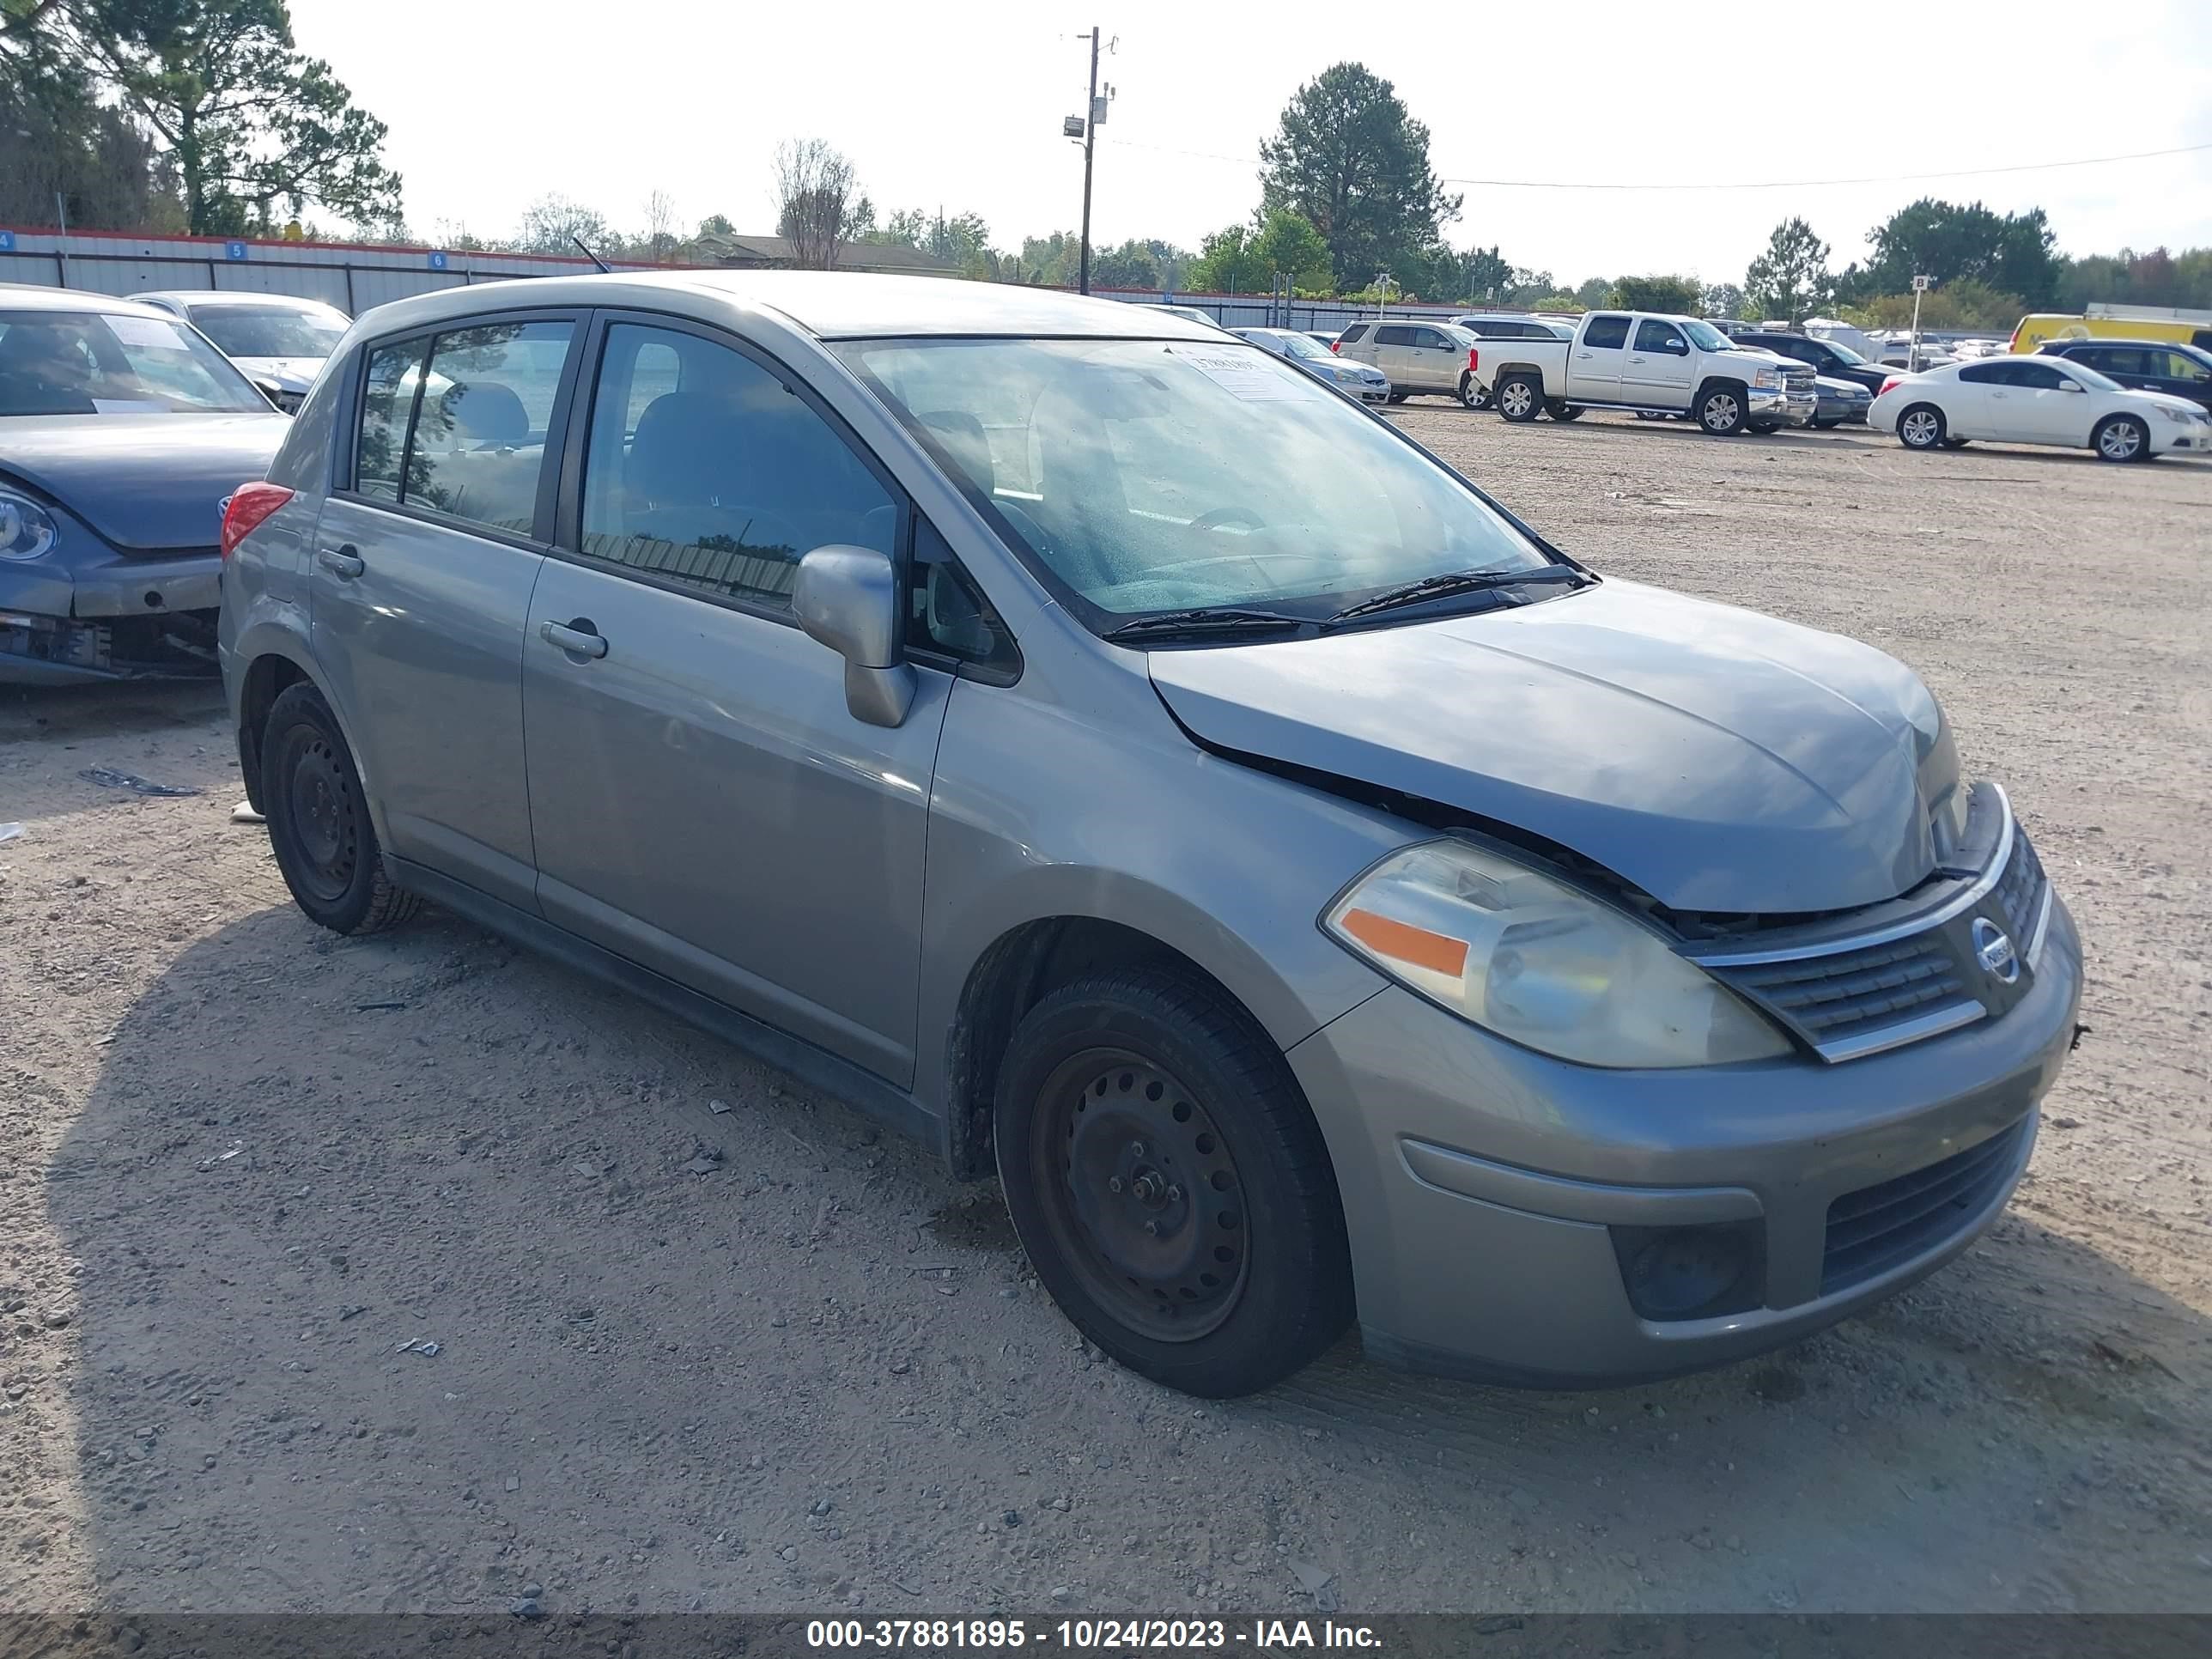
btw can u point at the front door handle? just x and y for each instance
(578, 638)
(1636, 360)
(341, 561)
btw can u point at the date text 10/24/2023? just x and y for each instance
(1086, 1635)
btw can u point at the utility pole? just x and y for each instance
(1089, 144)
(1912, 351)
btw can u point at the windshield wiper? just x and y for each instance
(1457, 582)
(1208, 619)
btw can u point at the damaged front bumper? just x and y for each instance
(116, 617)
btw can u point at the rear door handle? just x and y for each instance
(578, 638)
(341, 561)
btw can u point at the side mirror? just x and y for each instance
(849, 598)
(271, 391)
(2068, 384)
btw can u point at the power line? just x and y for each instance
(1769, 184)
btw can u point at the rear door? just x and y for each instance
(1658, 369)
(425, 557)
(1597, 358)
(706, 804)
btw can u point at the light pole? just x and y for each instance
(1085, 128)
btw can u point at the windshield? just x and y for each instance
(2095, 378)
(1845, 352)
(1142, 476)
(90, 362)
(1297, 345)
(1462, 335)
(268, 330)
(1705, 336)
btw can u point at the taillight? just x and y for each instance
(1471, 356)
(1336, 345)
(1895, 379)
(247, 506)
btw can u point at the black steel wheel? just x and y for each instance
(319, 822)
(1169, 1184)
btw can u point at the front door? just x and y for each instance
(1596, 359)
(2038, 403)
(425, 558)
(1438, 363)
(1658, 372)
(705, 803)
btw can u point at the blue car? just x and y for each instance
(122, 433)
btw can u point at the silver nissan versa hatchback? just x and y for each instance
(1101, 749)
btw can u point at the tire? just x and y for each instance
(1400, 397)
(1956, 443)
(1763, 428)
(1519, 398)
(1721, 408)
(1471, 393)
(1921, 427)
(1560, 411)
(2121, 438)
(1826, 425)
(1170, 1184)
(319, 824)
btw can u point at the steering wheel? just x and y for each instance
(1222, 515)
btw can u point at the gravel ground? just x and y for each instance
(366, 1276)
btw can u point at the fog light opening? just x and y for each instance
(1693, 1273)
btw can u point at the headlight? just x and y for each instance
(1766, 380)
(26, 529)
(1530, 959)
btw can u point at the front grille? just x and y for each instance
(1798, 380)
(1861, 998)
(1831, 999)
(1880, 1227)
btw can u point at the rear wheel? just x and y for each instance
(319, 824)
(1823, 425)
(1471, 392)
(1399, 397)
(1170, 1184)
(1921, 427)
(2121, 438)
(1720, 409)
(1519, 397)
(1560, 411)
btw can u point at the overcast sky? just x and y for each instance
(493, 103)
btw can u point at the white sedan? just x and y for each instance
(2035, 400)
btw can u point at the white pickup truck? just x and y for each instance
(1651, 365)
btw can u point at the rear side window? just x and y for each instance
(2118, 359)
(1387, 335)
(1606, 333)
(387, 405)
(1356, 331)
(478, 448)
(704, 470)
(1987, 374)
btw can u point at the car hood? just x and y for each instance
(292, 373)
(1836, 385)
(142, 481)
(1716, 758)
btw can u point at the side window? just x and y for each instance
(1429, 340)
(2173, 366)
(1652, 334)
(2123, 360)
(387, 404)
(1606, 333)
(1391, 335)
(1987, 374)
(1356, 331)
(478, 447)
(947, 614)
(703, 468)
(2039, 377)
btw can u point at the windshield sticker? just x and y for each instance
(1250, 375)
(149, 331)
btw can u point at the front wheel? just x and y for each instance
(319, 824)
(1471, 392)
(1399, 397)
(1519, 398)
(1720, 409)
(1169, 1184)
(1956, 443)
(2121, 438)
(1824, 426)
(1921, 427)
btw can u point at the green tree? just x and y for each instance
(1790, 281)
(717, 224)
(1348, 158)
(1677, 294)
(64, 142)
(1287, 242)
(2013, 253)
(1132, 264)
(1227, 264)
(1597, 291)
(1559, 302)
(254, 124)
(1963, 304)
(1724, 300)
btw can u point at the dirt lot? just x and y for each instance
(244, 1165)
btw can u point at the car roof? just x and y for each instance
(831, 304)
(230, 296)
(2109, 340)
(36, 296)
